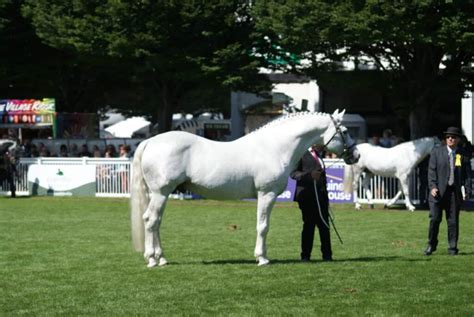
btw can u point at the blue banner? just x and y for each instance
(335, 186)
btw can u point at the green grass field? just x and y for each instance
(73, 256)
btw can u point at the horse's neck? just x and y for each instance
(423, 148)
(294, 136)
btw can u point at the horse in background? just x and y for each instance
(7, 145)
(398, 161)
(254, 166)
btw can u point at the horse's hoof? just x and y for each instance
(372, 206)
(151, 263)
(357, 207)
(412, 209)
(162, 262)
(385, 206)
(263, 261)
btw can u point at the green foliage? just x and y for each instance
(423, 46)
(175, 45)
(73, 256)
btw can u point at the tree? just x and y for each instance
(31, 69)
(423, 47)
(176, 47)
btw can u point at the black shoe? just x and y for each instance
(429, 250)
(327, 258)
(453, 252)
(305, 260)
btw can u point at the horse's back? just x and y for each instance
(394, 161)
(379, 160)
(198, 164)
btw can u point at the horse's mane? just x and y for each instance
(288, 117)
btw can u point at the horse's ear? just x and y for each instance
(338, 115)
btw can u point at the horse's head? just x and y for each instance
(337, 139)
(7, 146)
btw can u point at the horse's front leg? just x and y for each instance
(355, 190)
(368, 192)
(264, 208)
(393, 200)
(406, 192)
(152, 219)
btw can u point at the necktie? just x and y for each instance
(451, 168)
(315, 156)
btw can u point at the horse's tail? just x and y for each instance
(139, 199)
(348, 178)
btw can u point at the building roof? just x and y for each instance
(127, 127)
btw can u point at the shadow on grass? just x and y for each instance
(14, 198)
(341, 260)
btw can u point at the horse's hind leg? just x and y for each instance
(404, 183)
(152, 219)
(264, 208)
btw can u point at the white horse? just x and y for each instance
(254, 166)
(398, 161)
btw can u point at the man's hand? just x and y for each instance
(316, 174)
(434, 192)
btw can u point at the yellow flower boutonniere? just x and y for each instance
(458, 160)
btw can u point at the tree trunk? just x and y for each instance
(167, 106)
(165, 116)
(420, 119)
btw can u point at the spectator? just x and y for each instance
(63, 152)
(125, 151)
(96, 151)
(375, 140)
(34, 151)
(74, 152)
(25, 148)
(449, 173)
(465, 146)
(44, 152)
(8, 162)
(85, 151)
(387, 139)
(110, 151)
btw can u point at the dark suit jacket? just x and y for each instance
(304, 181)
(438, 173)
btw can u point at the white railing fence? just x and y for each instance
(112, 174)
(113, 179)
(385, 188)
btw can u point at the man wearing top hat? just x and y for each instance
(449, 182)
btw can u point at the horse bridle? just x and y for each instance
(347, 149)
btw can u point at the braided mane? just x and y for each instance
(290, 116)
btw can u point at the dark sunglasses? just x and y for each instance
(451, 137)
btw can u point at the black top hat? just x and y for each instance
(453, 131)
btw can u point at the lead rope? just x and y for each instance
(329, 214)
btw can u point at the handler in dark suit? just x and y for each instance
(449, 180)
(309, 174)
(8, 167)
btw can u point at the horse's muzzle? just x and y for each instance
(351, 156)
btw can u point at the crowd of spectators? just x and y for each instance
(387, 140)
(28, 149)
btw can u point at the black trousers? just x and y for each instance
(8, 175)
(312, 218)
(448, 203)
